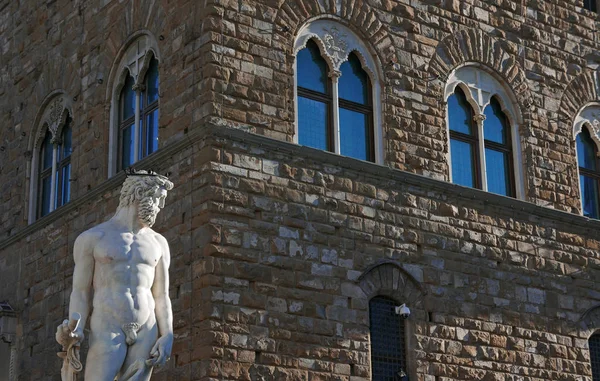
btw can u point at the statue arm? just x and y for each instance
(164, 314)
(82, 279)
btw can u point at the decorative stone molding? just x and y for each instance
(588, 116)
(476, 46)
(391, 279)
(53, 117)
(294, 14)
(583, 91)
(336, 42)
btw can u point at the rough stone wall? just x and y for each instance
(231, 61)
(271, 250)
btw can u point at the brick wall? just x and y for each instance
(271, 242)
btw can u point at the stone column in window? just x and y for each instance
(138, 88)
(335, 75)
(55, 143)
(478, 119)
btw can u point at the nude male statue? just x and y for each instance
(121, 276)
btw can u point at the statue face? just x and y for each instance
(149, 206)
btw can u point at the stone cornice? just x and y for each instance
(493, 203)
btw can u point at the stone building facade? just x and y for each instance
(278, 248)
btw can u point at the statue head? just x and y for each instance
(148, 191)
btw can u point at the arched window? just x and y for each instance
(589, 173)
(51, 165)
(146, 96)
(481, 124)
(388, 350)
(586, 132)
(337, 92)
(59, 164)
(594, 344)
(135, 94)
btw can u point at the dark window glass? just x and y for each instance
(152, 131)
(498, 150)
(586, 150)
(152, 82)
(127, 99)
(312, 69)
(463, 163)
(63, 168)
(45, 175)
(353, 84)
(45, 195)
(127, 147)
(589, 174)
(388, 359)
(590, 5)
(495, 125)
(594, 343)
(66, 185)
(460, 113)
(46, 153)
(589, 196)
(354, 134)
(66, 141)
(313, 123)
(498, 171)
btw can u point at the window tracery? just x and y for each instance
(483, 133)
(337, 92)
(135, 102)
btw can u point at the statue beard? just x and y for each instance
(147, 211)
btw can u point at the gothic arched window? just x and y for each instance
(337, 92)
(589, 173)
(50, 182)
(481, 139)
(135, 104)
(146, 96)
(55, 158)
(388, 348)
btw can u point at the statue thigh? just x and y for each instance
(105, 357)
(139, 352)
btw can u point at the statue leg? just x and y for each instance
(105, 356)
(140, 352)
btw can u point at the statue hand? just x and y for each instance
(161, 352)
(66, 337)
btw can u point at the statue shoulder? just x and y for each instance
(159, 237)
(90, 236)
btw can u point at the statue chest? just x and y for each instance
(128, 248)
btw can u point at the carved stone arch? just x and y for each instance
(358, 16)
(121, 66)
(61, 124)
(581, 91)
(476, 46)
(589, 323)
(52, 115)
(390, 279)
(336, 41)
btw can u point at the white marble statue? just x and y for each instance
(121, 277)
